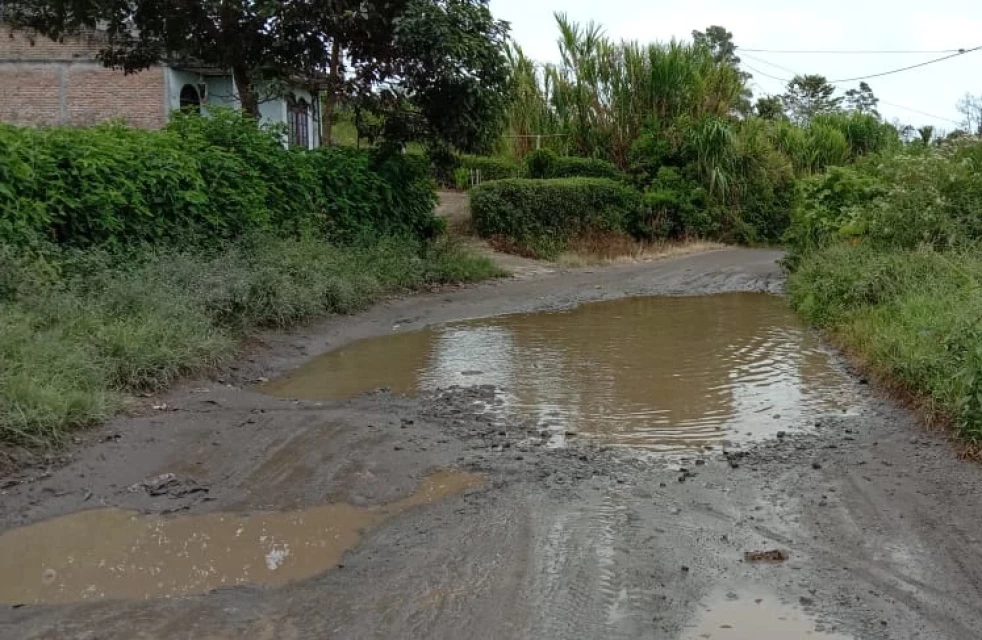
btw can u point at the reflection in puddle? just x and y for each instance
(662, 373)
(117, 554)
(754, 616)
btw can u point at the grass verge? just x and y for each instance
(79, 331)
(911, 318)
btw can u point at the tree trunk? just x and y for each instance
(331, 99)
(248, 95)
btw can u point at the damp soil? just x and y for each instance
(602, 536)
(670, 374)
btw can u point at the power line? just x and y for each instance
(919, 112)
(882, 101)
(770, 64)
(961, 52)
(913, 66)
(853, 51)
(765, 74)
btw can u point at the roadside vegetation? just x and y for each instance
(883, 223)
(674, 123)
(130, 258)
(885, 256)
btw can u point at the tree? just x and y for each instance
(243, 36)
(927, 134)
(445, 80)
(808, 96)
(769, 108)
(971, 109)
(720, 43)
(435, 68)
(862, 100)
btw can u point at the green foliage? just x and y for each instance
(913, 316)
(492, 168)
(544, 164)
(78, 330)
(203, 180)
(928, 197)
(539, 217)
(674, 207)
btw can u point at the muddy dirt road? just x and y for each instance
(220, 511)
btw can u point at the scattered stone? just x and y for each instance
(168, 484)
(816, 465)
(806, 601)
(770, 557)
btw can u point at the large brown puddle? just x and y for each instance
(110, 553)
(755, 616)
(662, 373)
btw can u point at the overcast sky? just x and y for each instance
(787, 24)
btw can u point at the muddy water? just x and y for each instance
(753, 615)
(662, 373)
(117, 554)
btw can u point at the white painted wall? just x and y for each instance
(221, 92)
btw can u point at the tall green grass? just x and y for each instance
(81, 330)
(913, 317)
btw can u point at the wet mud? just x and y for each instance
(735, 614)
(660, 373)
(109, 553)
(597, 538)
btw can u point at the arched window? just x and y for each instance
(190, 99)
(298, 122)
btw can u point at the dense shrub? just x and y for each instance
(203, 180)
(902, 201)
(539, 217)
(492, 168)
(545, 164)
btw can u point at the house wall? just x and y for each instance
(49, 83)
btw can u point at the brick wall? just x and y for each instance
(43, 82)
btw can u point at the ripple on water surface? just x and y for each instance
(661, 373)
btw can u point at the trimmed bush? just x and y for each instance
(540, 217)
(492, 168)
(545, 164)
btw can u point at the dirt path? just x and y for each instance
(880, 519)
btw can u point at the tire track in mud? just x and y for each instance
(581, 588)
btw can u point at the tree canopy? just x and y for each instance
(808, 96)
(430, 68)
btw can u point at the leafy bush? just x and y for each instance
(902, 201)
(203, 180)
(492, 168)
(539, 217)
(673, 207)
(544, 164)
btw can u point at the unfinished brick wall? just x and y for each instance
(43, 82)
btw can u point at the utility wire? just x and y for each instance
(913, 66)
(961, 52)
(882, 101)
(765, 74)
(770, 64)
(852, 51)
(918, 111)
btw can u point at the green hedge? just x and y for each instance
(540, 217)
(492, 168)
(202, 180)
(545, 164)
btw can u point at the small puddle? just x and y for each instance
(661, 373)
(755, 616)
(110, 553)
